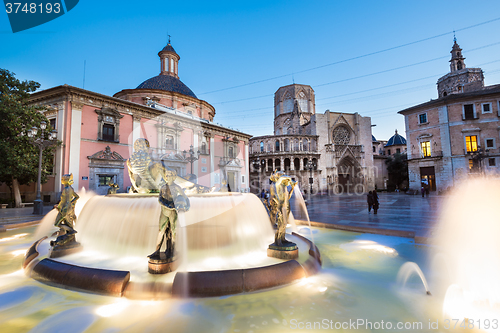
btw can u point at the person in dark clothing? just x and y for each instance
(422, 190)
(369, 200)
(375, 201)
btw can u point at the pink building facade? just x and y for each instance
(98, 132)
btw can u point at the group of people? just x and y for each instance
(372, 200)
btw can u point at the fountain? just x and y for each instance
(210, 244)
(356, 286)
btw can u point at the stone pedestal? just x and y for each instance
(162, 264)
(286, 251)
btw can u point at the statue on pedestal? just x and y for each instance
(279, 208)
(113, 188)
(66, 217)
(145, 175)
(173, 201)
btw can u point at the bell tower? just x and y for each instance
(169, 61)
(457, 60)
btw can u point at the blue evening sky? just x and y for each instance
(258, 46)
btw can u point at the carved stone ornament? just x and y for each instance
(107, 154)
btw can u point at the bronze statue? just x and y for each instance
(113, 188)
(66, 217)
(145, 175)
(279, 206)
(172, 200)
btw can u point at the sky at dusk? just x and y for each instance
(371, 57)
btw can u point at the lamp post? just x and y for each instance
(478, 156)
(310, 165)
(41, 143)
(192, 156)
(258, 164)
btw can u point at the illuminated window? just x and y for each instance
(426, 148)
(471, 143)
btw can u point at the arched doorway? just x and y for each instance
(348, 176)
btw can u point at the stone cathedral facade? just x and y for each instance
(334, 148)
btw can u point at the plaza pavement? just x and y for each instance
(398, 212)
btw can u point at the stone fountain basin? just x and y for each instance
(58, 273)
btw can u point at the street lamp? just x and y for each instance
(192, 156)
(310, 165)
(41, 143)
(477, 156)
(258, 164)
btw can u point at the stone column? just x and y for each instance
(75, 139)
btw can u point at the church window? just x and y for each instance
(459, 65)
(303, 102)
(277, 146)
(108, 123)
(373, 148)
(108, 132)
(171, 65)
(491, 162)
(169, 142)
(288, 104)
(422, 118)
(388, 152)
(104, 180)
(341, 135)
(204, 148)
(262, 147)
(287, 145)
(398, 151)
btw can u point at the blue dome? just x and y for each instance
(167, 83)
(373, 139)
(396, 140)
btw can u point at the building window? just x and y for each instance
(231, 152)
(204, 148)
(374, 148)
(52, 123)
(108, 122)
(469, 112)
(471, 143)
(492, 162)
(262, 146)
(486, 107)
(426, 148)
(108, 132)
(277, 147)
(203, 169)
(104, 180)
(169, 142)
(422, 118)
(341, 135)
(398, 151)
(490, 143)
(388, 152)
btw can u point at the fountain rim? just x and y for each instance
(206, 283)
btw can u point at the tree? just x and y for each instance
(397, 167)
(18, 157)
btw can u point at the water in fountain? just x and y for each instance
(407, 270)
(469, 229)
(232, 226)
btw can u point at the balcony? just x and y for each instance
(434, 155)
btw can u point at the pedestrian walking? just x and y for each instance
(369, 200)
(422, 190)
(375, 201)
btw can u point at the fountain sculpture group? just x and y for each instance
(148, 178)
